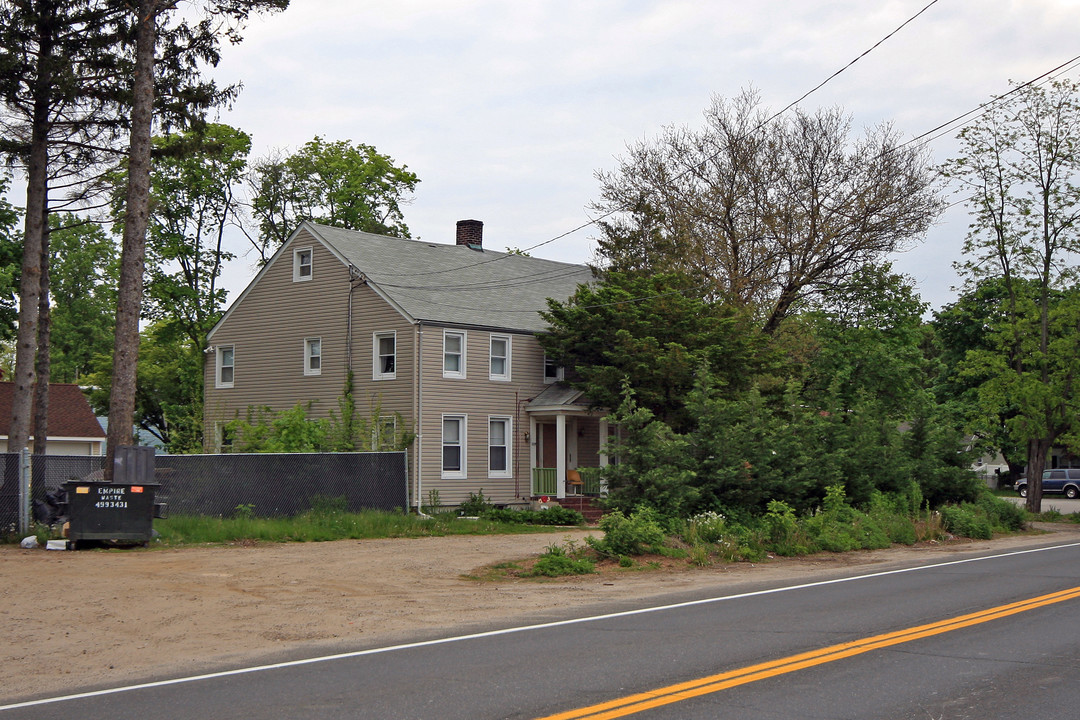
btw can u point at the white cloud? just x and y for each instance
(505, 110)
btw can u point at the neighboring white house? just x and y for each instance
(73, 429)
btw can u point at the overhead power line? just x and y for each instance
(608, 214)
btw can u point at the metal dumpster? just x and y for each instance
(121, 511)
(111, 511)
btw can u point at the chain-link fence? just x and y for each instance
(263, 484)
(279, 485)
(9, 493)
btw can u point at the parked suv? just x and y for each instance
(1062, 480)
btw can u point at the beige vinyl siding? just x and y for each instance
(479, 398)
(588, 444)
(268, 327)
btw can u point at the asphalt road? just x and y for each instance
(1058, 502)
(913, 643)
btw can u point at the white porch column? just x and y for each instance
(603, 455)
(532, 451)
(560, 456)
(603, 442)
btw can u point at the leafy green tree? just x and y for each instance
(10, 254)
(868, 341)
(83, 271)
(62, 66)
(966, 327)
(333, 183)
(654, 331)
(1020, 173)
(766, 212)
(193, 183)
(174, 47)
(168, 400)
(655, 466)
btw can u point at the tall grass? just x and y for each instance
(326, 524)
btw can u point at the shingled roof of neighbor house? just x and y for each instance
(70, 415)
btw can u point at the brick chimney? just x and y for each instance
(470, 233)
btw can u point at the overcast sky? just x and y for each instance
(506, 109)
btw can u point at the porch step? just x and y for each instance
(587, 506)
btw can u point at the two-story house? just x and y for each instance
(443, 336)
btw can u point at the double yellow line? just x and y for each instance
(631, 704)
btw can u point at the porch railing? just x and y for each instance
(590, 480)
(545, 481)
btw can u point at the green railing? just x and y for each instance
(590, 479)
(545, 481)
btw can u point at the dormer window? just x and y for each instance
(552, 372)
(301, 264)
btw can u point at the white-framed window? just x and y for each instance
(500, 436)
(226, 366)
(302, 264)
(453, 353)
(385, 356)
(313, 356)
(384, 433)
(552, 372)
(453, 446)
(500, 357)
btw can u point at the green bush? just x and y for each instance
(965, 520)
(841, 528)
(782, 528)
(558, 561)
(550, 516)
(475, 505)
(893, 514)
(708, 526)
(633, 535)
(1002, 514)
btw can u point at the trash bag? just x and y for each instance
(53, 508)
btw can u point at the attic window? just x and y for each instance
(301, 264)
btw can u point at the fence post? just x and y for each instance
(24, 491)
(408, 485)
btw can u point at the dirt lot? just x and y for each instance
(75, 619)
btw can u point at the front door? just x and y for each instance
(549, 448)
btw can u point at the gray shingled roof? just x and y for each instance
(556, 395)
(453, 284)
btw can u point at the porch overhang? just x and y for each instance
(567, 407)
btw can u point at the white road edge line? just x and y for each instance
(508, 631)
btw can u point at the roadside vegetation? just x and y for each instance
(644, 539)
(329, 519)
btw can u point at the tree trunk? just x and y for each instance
(41, 388)
(1038, 449)
(133, 253)
(37, 191)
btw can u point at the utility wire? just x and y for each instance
(608, 214)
